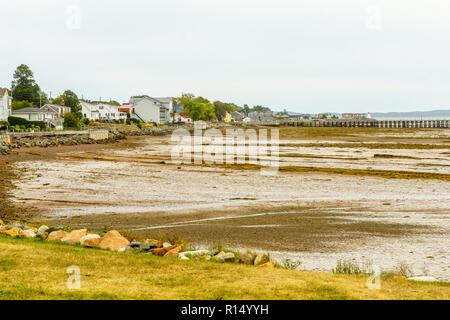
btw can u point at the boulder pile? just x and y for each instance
(113, 240)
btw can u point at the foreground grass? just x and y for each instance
(32, 269)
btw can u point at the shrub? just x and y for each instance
(4, 124)
(291, 264)
(16, 105)
(70, 120)
(25, 124)
(86, 121)
(347, 267)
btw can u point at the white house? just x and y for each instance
(61, 110)
(148, 109)
(181, 118)
(49, 117)
(5, 104)
(102, 111)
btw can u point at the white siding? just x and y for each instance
(5, 107)
(149, 110)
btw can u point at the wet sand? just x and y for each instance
(312, 216)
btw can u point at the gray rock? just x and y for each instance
(146, 246)
(166, 244)
(185, 255)
(213, 252)
(55, 228)
(135, 244)
(41, 230)
(17, 225)
(153, 245)
(227, 257)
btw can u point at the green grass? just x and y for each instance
(32, 269)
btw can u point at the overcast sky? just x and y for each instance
(305, 56)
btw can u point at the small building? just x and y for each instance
(147, 109)
(102, 111)
(51, 118)
(5, 104)
(237, 116)
(181, 118)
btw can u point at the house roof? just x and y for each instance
(32, 110)
(3, 91)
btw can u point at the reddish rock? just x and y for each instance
(56, 236)
(113, 240)
(92, 243)
(173, 253)
(74, 236)
(158, 251)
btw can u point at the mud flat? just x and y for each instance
(312, 215)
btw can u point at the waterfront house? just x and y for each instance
(5, 104)
(147, 109)
(51, 118)
(102, 111)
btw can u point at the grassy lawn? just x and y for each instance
(32, 269)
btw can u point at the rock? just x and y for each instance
(423, 279)
(151, 241)
(214, 252)
(92, 242)
(74, 236)
(261, 259)
(89, 236)
(247, 259)
(122, 249)
(134, 244)
(267, 265)
(167, 249)
(56, 228)
(173, 253)
(187, 254)
(12, 232)
(166, 244)
(113, 240)
(399, 277)
(41, 230)
(227, 257)
(2, 223)
(44, 236)
(56, 236)
(28, 234)
(221, 253)
(158, 251)
(17, 225)
(152, 245)
(147, 246)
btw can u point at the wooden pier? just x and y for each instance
(369, 123)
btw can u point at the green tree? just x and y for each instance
(71, 100)
(16, 105)
(23, 85)
(198, 107)
(70, 120)
(220, 110)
